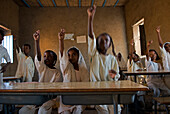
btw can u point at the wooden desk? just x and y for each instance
(73, 93)
(161, 72)
(7, 79)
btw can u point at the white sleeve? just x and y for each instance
(115, 67)
(39, 64)
(63, 61)
(148, 63)
(164, 58)
(91, 46)
(6, 56)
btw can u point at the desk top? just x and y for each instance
(105, 86)
(10, 78)
(161, 72)
(163, 100)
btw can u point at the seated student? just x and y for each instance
(47, 73)
(26, 66)
(154, 82)
(134, 63)
(103, 66)
(3, 54)
(74, 69)
(165, 49)
(121, 61)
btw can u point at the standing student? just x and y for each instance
(103, 66)
(154, 82)
(74, 69)
(134, 63)
(165, 50)
(3, 54)
(26, 66)
(47, 73)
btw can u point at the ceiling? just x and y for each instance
(69, 3)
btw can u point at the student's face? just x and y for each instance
(152, 55)
(49, 59)
(73, 57)
(167, 47)
(104, 43)
(1, 38)
(26, 49)
(135, 58)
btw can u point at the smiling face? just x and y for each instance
(167, 47)
(73, 56)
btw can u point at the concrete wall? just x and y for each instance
(155, 13)
(9, 17)
(74, 20)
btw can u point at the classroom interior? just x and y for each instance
(21, 18)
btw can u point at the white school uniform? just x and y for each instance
(72, 75)
(121, 63)
(3, 54)
(165, 57)
(25, 67)
(155, 82)
(99, 71)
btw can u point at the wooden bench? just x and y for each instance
(164, 101)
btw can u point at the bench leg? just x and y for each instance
(155, 104)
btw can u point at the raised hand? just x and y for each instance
(112, 73)
(36, 35)
(61, 34)
(158, 29)
(149, 43)
(91, 11)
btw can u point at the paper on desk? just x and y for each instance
(69, 37)
(81, 39)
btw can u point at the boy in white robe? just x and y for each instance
(103, 66)
(47, 73)
(26, 66)
(154, 82)
(74, 69)
(3, 54)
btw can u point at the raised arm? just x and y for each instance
(91, 12)
(15, 45)
(36, 37)
(147, 49)
(61, 41)
(158, 30)
(131, 49)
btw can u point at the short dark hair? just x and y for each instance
(157, 58)
(111, 42)
(2, 33)
(27, 45)
(74, 49)
(53, 53)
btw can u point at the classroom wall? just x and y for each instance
(9, 17)
(155, 13)
(50, 20)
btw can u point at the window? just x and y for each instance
(139, 37)
(8, 44)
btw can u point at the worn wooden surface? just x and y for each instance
(161, 72)
(162, 100)
(106, 86)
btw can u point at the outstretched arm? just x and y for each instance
(91, 12)
(147, 49)
(61, 41)
(131, 49)
(158, 30)
(15, 45)
(36, 37)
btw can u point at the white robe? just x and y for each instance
(155, 82)
(165, 58)
(25, 67)
(122, 63)
(71, 75)
(99, 71)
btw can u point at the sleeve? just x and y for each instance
(63, 61)
(57, 77)
(148, 63)
(91, 46)
(6, 56)
(116, 68)
(39, 64)
(31, 68)
(164, 58)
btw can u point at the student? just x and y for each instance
(103, 66)
(121, 61)
(165, 49)
(74, 69)
(3, 54)
(155, 83)
(26, 66)
(134, 63)
(47, 73)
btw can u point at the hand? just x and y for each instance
(132, 42)
(149, 43)
(36, 35)
(3, 69)
(112, 73)
(91, 11)
(61, 34)
(158, 29)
